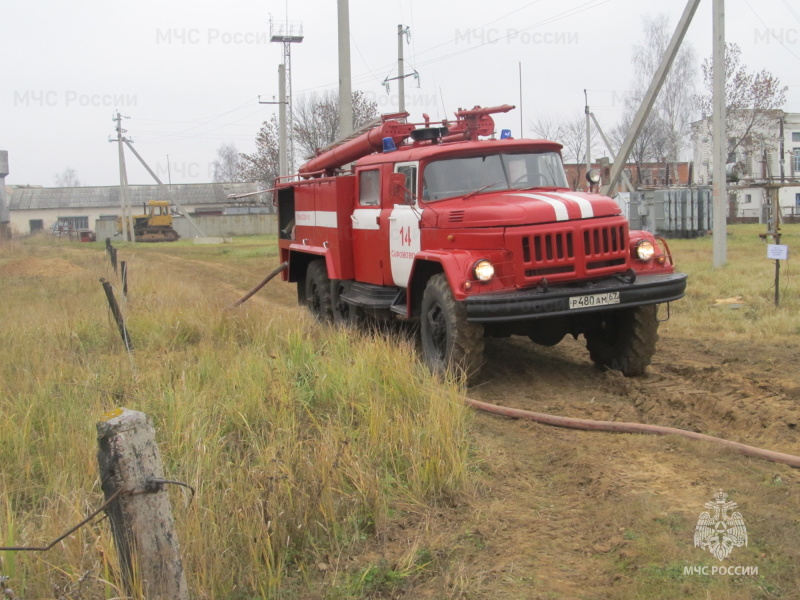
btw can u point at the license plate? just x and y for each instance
(590, 300)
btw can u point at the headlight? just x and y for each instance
(645, 250)
(483, 270)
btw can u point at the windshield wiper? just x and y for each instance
(472, 193)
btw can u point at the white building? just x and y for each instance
(763, 159)
(35, 208)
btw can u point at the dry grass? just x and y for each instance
(300, 440)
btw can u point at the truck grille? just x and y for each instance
(577, 252)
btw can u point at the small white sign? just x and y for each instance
(778, 251)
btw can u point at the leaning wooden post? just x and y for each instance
(117, 314)
(124, 274)
(141, 520)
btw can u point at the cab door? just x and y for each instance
(368, 239)
(403, 225)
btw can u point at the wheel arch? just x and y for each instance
(421, 272)
(299, 261)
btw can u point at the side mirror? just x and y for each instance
(398, 191)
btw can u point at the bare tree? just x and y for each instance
(573, 137)
(648, 147)
(547, 128)
(674, 104)
(316, 122)
(226, 167)
(316, 119)
(262, 166)
(68, 178)
(752, 100)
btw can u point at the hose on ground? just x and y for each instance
(264, 282)
(612, 426)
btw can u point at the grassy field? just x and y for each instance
(307, 445)
(749, 274)
(301, 441)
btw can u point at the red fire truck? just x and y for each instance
(470, 238)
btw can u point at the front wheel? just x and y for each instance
(623, 340)
(449, 341)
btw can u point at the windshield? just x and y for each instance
(460, 176)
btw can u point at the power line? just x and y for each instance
(362, 78)
(791, 10)
(780, 41)
(246, 104)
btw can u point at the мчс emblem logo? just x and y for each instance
(720, 532)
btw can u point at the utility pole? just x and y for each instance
(283, 151)
(5, 215)
(345, 84)
(783, 174)
(401, 84)
(402, 30)
(521, 133)
(720, 142)
(127, 218)
(283, 162)
(588, 133)
(286, 33)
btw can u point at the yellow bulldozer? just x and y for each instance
(155, 225)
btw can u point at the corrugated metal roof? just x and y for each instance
(102, 197)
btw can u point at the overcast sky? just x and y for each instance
(189, 73)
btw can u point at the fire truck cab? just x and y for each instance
(470, 238)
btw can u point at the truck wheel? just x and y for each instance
(624, 340)
(449, 341)
(318, 291)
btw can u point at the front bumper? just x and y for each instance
(537, 303)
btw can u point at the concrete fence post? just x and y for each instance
(141, 519)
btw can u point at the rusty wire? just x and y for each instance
(65, 534)
(152, 486)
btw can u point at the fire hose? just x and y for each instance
(265, 281)
(618, 427)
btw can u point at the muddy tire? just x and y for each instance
(318, 291)
(449, 341)
(624, 340)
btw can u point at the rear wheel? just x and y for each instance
(318, 291)
(449, 341)
(624, 340)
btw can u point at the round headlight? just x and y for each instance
(484, 270)
(645, 250)
(593, 176)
